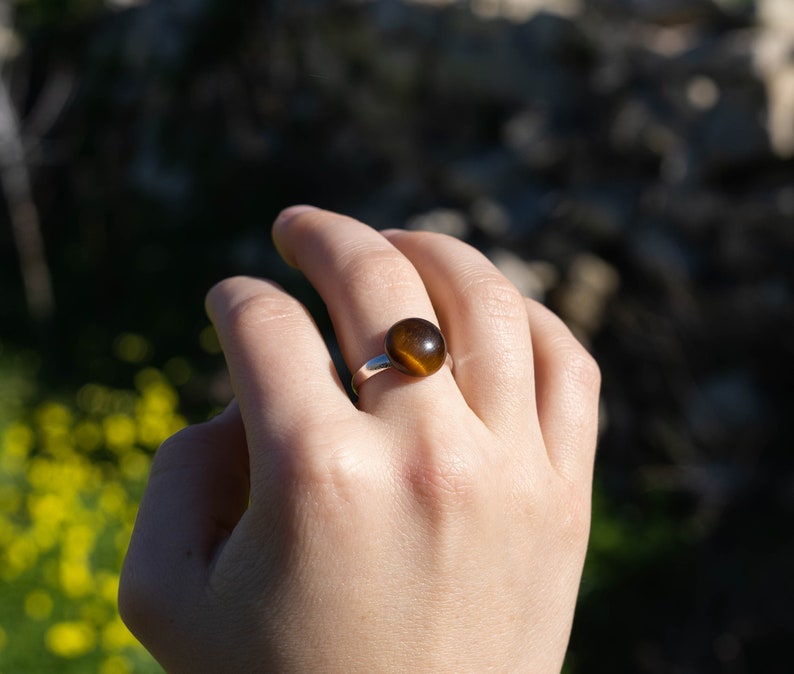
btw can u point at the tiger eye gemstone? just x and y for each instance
(415, 347)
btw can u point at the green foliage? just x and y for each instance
(72, 471)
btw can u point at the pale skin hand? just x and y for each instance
(436, 525)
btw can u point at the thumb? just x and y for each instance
(197, 492)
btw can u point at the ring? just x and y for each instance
(412, 346)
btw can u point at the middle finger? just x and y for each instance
(365, 282)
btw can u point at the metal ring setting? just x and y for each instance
(412, 346)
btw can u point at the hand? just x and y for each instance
(438, 525)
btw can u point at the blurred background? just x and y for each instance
(628, 162)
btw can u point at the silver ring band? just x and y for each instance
(413, 346)
(369, 368)
(378, 364)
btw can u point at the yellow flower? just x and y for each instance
(209, 341)
(93, 398)
(38, 605)
(119, 431)
(88, 435)
(45, 536)
(17, 442)
(10, 498)
(122, 538)
(75, 578)
(153, 429)
(108, 586)
(67, 509)
(116, 636)
(178, 371)
(41, 473)
(158, 398)
(131, 348)
(48, 508)
(115, 664)
(59, 447)
(21, 555)
(8, 532)
(94, 611)
(53, 417)
(78, 542)
(70, 639)
(113, 501)
(148, 376)
(135, 465)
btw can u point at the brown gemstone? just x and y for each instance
(415, 347)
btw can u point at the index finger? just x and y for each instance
(282, 373)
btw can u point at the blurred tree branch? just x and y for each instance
(16, 184)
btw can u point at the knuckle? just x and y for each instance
(582, 369)
(168, 458)
(325, 464)
(376, 267)
(495, 296)
(442, 481)
(256, 311)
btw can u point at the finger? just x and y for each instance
(567, 384)
(196, 494)
(281, 371)
(366, 283)
(485, 320)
